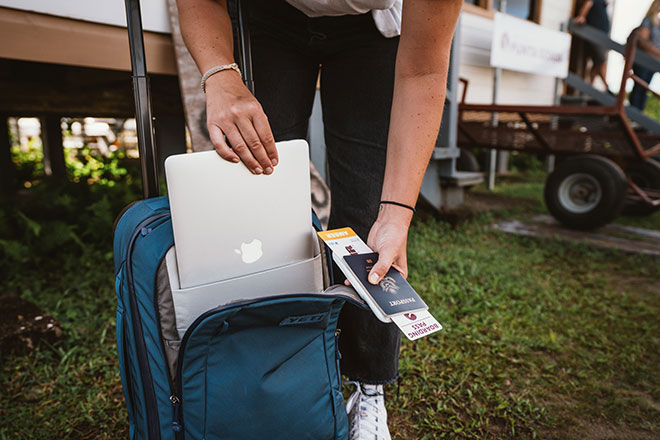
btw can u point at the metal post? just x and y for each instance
(554, 121)
(141, 90)
(492, 161)
(7, 170)
(244, 44)
(497, 78)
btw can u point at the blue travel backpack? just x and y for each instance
(259, 369)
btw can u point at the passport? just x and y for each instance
(393, 294)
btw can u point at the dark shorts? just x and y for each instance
(597, 54)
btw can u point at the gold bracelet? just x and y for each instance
(216, 69)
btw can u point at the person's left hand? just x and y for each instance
(389, 237)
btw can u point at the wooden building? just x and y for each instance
(71, 58)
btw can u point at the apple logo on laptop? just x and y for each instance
(250, 252)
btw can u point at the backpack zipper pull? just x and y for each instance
(337, 353)
(176, 426)
(145, 231)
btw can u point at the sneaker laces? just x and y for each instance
(367, 414)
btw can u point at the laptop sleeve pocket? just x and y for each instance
(300, 277)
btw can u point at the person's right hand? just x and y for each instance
(579, 20)
(232, 111)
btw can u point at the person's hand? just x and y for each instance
(389, 236)
(579, 20)
(232, 111)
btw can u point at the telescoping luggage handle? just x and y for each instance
(141, 90)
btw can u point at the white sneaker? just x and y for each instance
(366, 413)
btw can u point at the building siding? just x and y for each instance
(516, 87)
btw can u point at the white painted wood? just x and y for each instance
(476, 37)
(154, 12)
(516, 88)
(555, 12)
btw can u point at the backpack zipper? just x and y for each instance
(153, 422)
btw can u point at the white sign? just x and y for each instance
(527, 47)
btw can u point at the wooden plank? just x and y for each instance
(38, 37)
(600, 38)
(559, 110)
(478, 10)
(608, 100)
(29, 89)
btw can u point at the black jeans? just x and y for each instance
(637, 97)
(357, 79)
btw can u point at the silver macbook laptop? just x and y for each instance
(228, 222)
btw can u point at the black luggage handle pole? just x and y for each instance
(244, 45)
(143, 116)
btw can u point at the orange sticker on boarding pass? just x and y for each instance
(335, 234)
(344, 241)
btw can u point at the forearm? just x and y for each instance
(414, 125)
(207, 32)
(419, 95)
(586, 7)
(236, 123)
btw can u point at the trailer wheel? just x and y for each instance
(645, 174)
(585, 192)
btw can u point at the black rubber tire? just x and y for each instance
(602, 172)
(645, 174)
(467, 161)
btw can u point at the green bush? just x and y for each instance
(49, 217)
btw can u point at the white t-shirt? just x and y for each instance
(386, 13)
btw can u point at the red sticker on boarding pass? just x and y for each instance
(417, 324)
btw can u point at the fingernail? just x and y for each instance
(274, 161)
(258, 170)
(269, 170)
(235, 160)
(373, 278)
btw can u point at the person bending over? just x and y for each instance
(383, 72)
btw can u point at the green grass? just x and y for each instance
(542, 338)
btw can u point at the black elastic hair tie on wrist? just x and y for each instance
(403, 205)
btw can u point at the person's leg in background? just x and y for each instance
(637, 97)
(598, 68)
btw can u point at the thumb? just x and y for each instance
(385, 260)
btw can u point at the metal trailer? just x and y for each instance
(604, 165)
